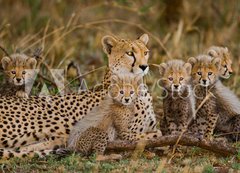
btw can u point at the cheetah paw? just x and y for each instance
(108, 157)
(21, 94)
(63, 151)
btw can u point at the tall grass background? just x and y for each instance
(71, 30)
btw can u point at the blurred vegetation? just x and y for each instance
(72, 30)
(178, 28)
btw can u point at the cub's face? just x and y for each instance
(226, 68)
(226, 60)
(126, 56)
(175, 75)
(124, 89)
(18, 70)
(205, 70)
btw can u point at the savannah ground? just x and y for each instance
(72, 30)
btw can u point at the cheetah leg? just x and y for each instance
(99, 148)
(201, 127)
(108, 157)
(172, 127)
(211, 123)
(152, 135)
(183, 119)
(193, 128)
(139, 136)
(127, 135)
(236, 128)
(26, 139)
(6, 154)
(46, 144)
(182, 127)
(144, 113)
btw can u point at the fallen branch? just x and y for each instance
(213, 146)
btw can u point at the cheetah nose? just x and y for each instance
(18, 79)
(230, 72)
(127, 100)
(143, 67)
(176, 86)
(204, 81)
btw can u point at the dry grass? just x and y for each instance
(72, 30)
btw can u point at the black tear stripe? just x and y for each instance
(133, 64)
(134, 58)
(225, 72)
(209, 79)
(200, 79)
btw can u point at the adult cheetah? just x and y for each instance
(43, 123)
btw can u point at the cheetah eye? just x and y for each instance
(145, 53)
(209, 73)
(170, 78)
(181, 78)
(13, 72)
(121, 92)
(130, 53)
(23, 72)
(199, 73)
(225, 66)
(131, 92)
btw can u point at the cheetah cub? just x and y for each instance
(205, 70)
(229, 109)
(226, 61)
(18, 72)
(178, 100)
(110, 120)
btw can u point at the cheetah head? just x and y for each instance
(205, 70)
(127, 56)
(124, 89)
(175, 75)
(226, 60)
(18, 68)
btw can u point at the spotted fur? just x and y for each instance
(178, 100)
(204, 77)
(110, 121)
(229, 113)
(44, 123)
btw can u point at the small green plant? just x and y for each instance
(208, 169)
(236, 166)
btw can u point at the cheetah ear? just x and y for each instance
(108, 42)
(5, 61)
(192, 61)
(31, 63)
(188, 67)
(162, 68)
(144, 38)
(217, 62)
(212, 53)
(114, 79)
